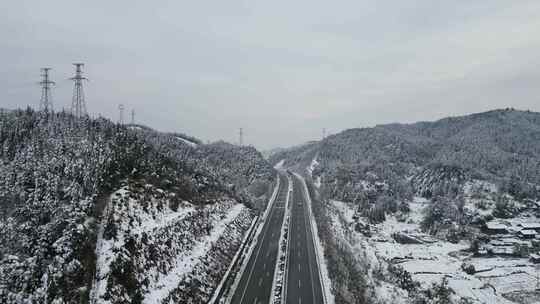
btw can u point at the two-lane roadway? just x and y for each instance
(303, 282)
(255, 284)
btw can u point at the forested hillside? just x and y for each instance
(502, 146)
(407, 183)
(67, 185)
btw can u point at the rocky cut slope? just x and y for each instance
(96, 212)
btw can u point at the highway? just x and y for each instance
(303, 282)
(255, 284)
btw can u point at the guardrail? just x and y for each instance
(246, 251)
(220, 290)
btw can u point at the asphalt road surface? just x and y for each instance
(255, 284)
(303, 282)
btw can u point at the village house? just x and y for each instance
(495, 228)
(535, 258)
(527, 234)
(530, 226)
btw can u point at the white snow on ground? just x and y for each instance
(435, 259)
(161, 288)
(312, 166)
(235, 258)
(317, 182)
(105, 255)
(341, 215)
(136, 218)
(279, 165)
(105, 248)
(186, 141)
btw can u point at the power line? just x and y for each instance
(45, 103)
(78, 104)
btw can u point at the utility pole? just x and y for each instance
(45, 103)
(241, 137)
(78, 105)
(121, 110)
(323, 133)
(132, 116)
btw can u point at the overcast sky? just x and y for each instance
(282, 70)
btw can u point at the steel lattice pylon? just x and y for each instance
(78, 104)
(45, 103)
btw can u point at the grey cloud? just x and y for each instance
(282, 70)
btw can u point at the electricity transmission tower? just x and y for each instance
(45, 103)
(133, 116)
(78, 105)
(121, 110)
(241, 137)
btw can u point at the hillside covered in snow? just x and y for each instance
(93, 211)
(460, 194)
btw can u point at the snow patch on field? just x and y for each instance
(433, 259)
(314, 164)
(279, 165)
(342, 217)
(186, 141)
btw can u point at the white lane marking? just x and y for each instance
(256, 300)
(264, 265)
(299, 300)
(299, 283)
(267, 274)
(260, 281)
(298, 267)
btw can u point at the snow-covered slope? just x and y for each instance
(152, 246)
(468, 171)
(94, 210)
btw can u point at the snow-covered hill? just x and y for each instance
(426, 187)
(153, 247)
(92, 210)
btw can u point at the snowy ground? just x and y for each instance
(190, 143)
(166, 245)
(434, 259)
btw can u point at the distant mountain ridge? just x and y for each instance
(497, 145)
